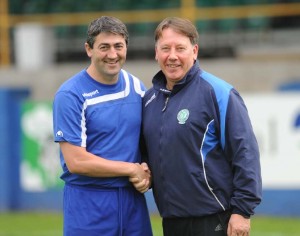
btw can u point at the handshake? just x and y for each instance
(141, 177)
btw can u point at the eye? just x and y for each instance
(180, 49)
(165, 49)
(119, 46)
(103, 47)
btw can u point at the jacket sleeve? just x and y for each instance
(242, 150)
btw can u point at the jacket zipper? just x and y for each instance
(166, 103)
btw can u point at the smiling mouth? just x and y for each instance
(112, 62)
(172, 66)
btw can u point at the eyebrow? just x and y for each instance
(117, 43)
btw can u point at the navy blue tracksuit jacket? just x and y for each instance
(201, 148)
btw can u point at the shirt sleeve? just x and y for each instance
(68, 119)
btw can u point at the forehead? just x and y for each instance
(169, 35)
(109, 38)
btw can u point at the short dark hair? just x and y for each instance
(106, 24)
(179, 25)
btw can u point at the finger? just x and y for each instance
(229, 231)
(140, 184)
(134, 179)
(143, 190)
(145, 166)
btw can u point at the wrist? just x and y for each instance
(243, 214)
(131, 170)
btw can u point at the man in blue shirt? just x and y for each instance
(97, 120)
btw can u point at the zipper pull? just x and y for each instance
(166, 103)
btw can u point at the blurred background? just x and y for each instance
(252, 44)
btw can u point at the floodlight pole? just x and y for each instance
(4, 34)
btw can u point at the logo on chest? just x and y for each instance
(182, 116)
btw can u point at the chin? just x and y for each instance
(173, 77)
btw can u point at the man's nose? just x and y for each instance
(112, 53)
(173, 54)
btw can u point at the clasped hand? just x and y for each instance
(141, 179)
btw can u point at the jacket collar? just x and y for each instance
(159, 80)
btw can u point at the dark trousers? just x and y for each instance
(212, 225)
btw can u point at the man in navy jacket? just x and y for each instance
(200, 144)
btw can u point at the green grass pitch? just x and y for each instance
(50, 224)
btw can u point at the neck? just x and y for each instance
(102, 78)
(169, 86)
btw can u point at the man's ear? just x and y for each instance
(88, 49)
(195, 50)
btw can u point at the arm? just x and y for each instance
(243, 153)
(79, 161)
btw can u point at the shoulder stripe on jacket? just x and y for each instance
(222, 91)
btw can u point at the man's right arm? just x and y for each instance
(79, 161)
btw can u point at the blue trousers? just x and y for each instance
(105, 212)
